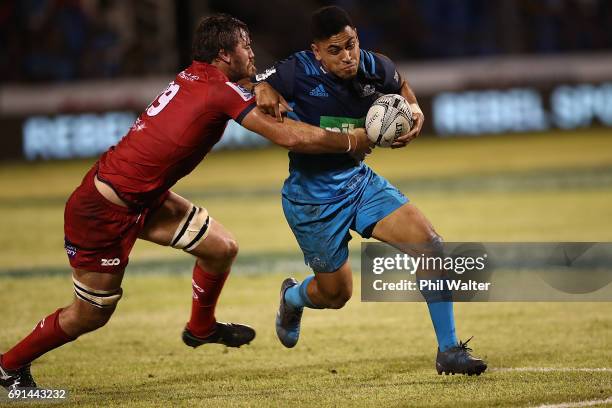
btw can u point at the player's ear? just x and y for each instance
(224, 56)
(315, 49)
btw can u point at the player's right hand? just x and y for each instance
(363, 145)
(271, 102)
(418, 118)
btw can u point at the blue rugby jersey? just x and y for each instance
(322, 99)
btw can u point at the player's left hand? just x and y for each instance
(418, 120)
(271, 102)
(363, 146)
(359, 157)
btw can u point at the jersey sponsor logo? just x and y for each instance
(340, 124)
(243, 92)
(189, 77)
(319, 90)
(263, 76)
(110, 262)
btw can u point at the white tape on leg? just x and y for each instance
(192, 230)
(95, 297)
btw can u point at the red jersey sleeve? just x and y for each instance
(232, 100)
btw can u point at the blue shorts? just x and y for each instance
(322, 230)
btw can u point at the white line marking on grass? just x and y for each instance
(552, 369)
(590, 403)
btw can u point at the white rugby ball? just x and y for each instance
(388, 117)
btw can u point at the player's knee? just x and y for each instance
(82, 319)
(230, 248)
(95, 319)
(339, 301)
(336, 298)
(227, 251)
(92, 308)
(222, 257)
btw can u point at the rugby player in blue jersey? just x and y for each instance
(332, 86)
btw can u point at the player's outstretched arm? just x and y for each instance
(304, 138)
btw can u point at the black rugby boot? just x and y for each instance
(458, 360)
(14, 379)
(228, 334)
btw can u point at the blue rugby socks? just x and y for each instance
(440, 305)
(297, 295)
(444, 324)
(441, 311)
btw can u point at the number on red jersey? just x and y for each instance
(163, 99)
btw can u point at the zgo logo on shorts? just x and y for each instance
(110, 262)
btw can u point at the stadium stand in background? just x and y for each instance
(64, 40)
(74, 73)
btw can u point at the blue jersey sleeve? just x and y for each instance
(391, 81)
(281, 76)
(380, 71)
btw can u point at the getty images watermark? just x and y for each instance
(471, 271)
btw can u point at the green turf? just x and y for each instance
(527, 187)
(540, 187)
(366, 354)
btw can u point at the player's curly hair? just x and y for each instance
(215, 33)
(328, 21)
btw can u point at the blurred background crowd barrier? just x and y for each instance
(75, 73)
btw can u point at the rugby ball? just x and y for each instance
(388, 117)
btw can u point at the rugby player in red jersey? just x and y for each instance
(126, 196)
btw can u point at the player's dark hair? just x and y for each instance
(328, 21)
(215, 33)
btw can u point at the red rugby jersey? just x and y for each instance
(172, 136)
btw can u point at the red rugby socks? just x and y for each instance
(46, 336)
(206, 290)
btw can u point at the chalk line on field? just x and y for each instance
(551, 369)
(590, 403)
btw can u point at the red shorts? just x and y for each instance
(99, 234)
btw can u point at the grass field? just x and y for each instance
(543, 187)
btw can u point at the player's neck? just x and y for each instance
(223, 67)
